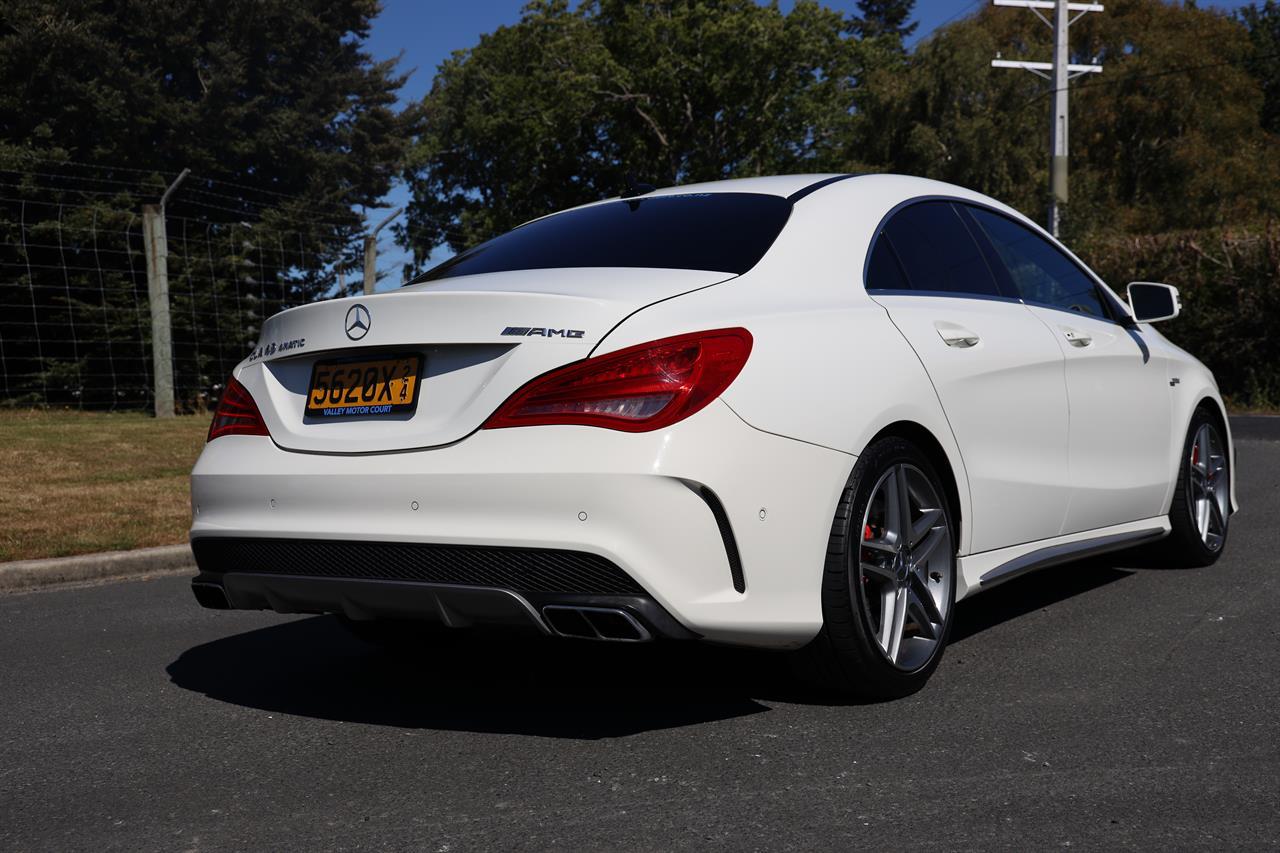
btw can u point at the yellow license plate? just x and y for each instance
(365, 387)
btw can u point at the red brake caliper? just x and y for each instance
(866, 535)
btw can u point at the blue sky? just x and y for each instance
(425, 32)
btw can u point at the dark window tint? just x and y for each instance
(723, 232)
(938, 252)
(883, 270)
(1040, 272)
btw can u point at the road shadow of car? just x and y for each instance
(531, 685)
(1041, 589)
(1037, 591)
(513, 683)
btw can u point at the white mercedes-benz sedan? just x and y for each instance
(808, 412)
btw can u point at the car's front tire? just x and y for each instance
(1200, 514)
(888, 589)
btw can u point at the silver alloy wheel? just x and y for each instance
(904, 566)
(1210, 487)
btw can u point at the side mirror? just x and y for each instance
(1150, 302)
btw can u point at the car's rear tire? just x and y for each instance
(1200, 514)
(877, 571)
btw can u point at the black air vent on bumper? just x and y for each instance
(518, 569)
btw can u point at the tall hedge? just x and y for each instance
(1229, 280)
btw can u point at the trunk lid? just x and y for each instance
(480, 338)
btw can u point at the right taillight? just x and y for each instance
(236, 414)
(637, 389)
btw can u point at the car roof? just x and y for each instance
(878, 190)
(815, 187)
(780, 185)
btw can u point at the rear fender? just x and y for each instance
(833, 374)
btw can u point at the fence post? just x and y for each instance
(153, 239)
(371, 252)
(156, 244)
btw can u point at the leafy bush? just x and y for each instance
(1229, 280)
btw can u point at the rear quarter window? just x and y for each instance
(937, 252)
(883, 270)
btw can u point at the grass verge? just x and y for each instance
(79, 482)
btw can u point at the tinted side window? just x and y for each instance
(883, 270)
(938, 252)
(1040, 272)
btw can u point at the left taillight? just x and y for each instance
(236, 414)
(637, 389)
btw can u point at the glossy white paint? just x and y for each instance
(1195, 384)
(971, 568)
(471, 367)
(1005, 400)
(1118, 395)
(527, 487)
(1046, 443)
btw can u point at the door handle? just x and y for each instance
(956, 336)
(1077, 338)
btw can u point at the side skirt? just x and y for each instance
(983, 571)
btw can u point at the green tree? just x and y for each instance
(942, 113)
(878, 18)
(557, 109)
(286, 122)
(276, 94)
(1263, 23)
(1168, 136)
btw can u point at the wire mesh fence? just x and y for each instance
(75, 321)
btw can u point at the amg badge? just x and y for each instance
(541, 331)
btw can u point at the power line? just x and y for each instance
(1186, 69)
(965, 9)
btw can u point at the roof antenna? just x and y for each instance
(634, 187)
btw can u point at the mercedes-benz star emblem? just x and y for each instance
(358, 322)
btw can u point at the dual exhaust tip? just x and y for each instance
(595, 623)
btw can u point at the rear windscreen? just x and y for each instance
(722, 232)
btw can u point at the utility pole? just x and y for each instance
(156, 243)
(371, 252)
(1060, 72)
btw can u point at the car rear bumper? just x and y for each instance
(621, 618)
(554, 592)
(654, 518)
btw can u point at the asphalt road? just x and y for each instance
(1099, 705)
